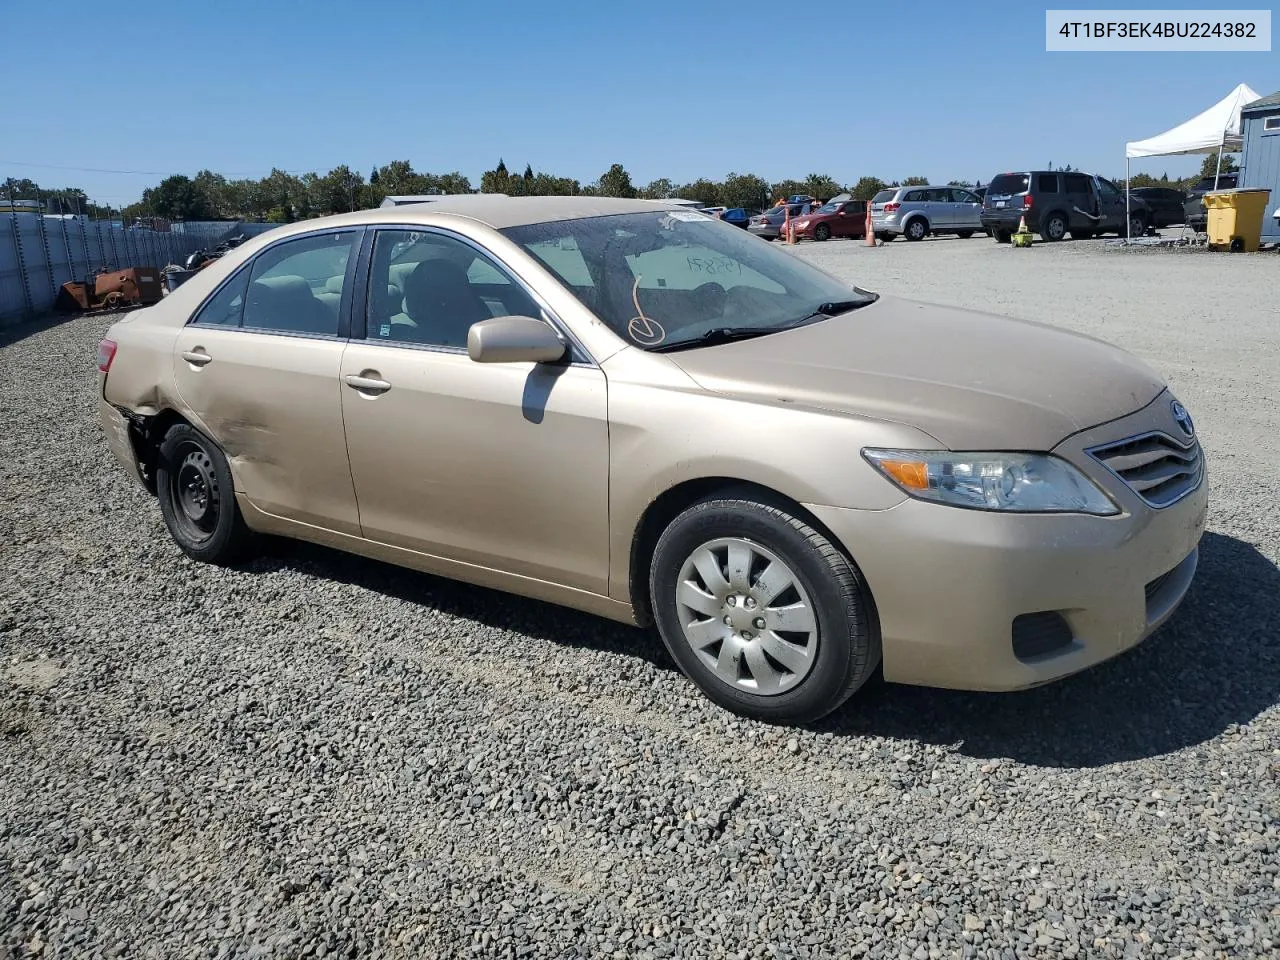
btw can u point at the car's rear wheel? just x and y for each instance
(1002, 236)
(885, 237)
(1054, 227)
(964, 234)
(1082, 234)
(197, 497)
(762, 611)
(822, 232)
(916, 229)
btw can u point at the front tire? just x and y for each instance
(964, 234)
(197, 497)
(762, 611)
(1137, 226)
(822, 232)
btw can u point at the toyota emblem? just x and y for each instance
(1183, 419)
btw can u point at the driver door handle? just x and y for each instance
(196, 358)
(367, 384)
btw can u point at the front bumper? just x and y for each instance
(948, 582)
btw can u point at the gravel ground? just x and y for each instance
(320, 756)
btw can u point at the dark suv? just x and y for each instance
(1193, 213)
(1165, 203)
(1056, 203)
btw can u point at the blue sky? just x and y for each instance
(674, 89)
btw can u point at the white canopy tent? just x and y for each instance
(1218, 128)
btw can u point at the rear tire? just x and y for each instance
(1002, 236)
(885, 237)
(916, 229)
(197, 497)
(964, 234)
(1054, 227)
(1081, 234)
(800, 638)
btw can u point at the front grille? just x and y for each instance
(1155, 466)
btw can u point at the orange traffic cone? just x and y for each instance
(786, 225)
(870, 232)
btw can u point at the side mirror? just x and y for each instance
(514, 340)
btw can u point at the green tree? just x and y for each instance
(338, 191)
(1210, 165)
(821, 186)
(660, 189)
(495, 180)
(915, 181)
(788, 188)
(616, 182)
(744, 190)
(1143, 180)
(867, 187)
(705, 191)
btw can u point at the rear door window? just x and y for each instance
(1077, 183)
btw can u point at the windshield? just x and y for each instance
(828, 208)
(666, 276)
(1009, 183)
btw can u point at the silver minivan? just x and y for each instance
(916, 212)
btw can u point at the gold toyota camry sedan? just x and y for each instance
(639, 411)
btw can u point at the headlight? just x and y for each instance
(1015, 482)
(802, 224)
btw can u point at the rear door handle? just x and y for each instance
(367, 384)
(196, 357)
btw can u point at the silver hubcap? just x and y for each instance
(746, 616)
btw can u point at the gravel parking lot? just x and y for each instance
(321, 756)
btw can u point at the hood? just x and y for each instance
(970, 380)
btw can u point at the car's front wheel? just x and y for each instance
(964, 234)
(762, 611)
(822, 232)
(197, 497)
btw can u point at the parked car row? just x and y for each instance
(1053, 203)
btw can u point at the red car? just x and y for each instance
(845, 218)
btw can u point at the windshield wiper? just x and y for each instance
(833, 308)
(718, 335)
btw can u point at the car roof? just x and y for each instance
(493, 210)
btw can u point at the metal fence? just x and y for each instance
(39, 253)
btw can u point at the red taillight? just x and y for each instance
(890, 207)
(1026, 201)
(106, 353)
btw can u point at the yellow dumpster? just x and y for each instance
(1235, 218)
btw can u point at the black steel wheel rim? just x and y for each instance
(194, 491)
